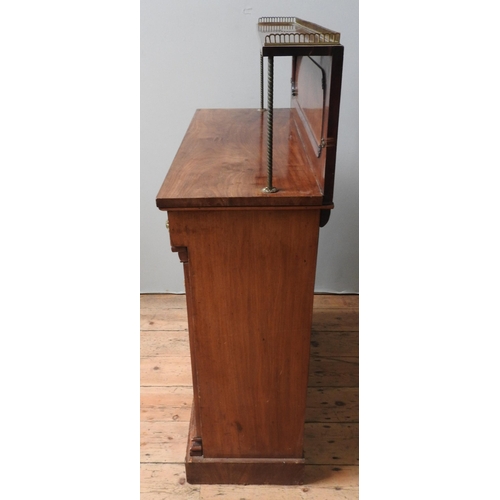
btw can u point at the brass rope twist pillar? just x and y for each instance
(270, 79)
(261, 81)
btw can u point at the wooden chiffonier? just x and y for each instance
(246, 195)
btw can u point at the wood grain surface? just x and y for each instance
(250, 282)
(222, 161)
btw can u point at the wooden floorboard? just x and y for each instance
(332, 414)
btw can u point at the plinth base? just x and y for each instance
(201, 470)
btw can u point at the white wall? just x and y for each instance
(205, 54)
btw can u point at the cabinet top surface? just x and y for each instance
(222, 162)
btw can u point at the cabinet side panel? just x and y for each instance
(251, 279)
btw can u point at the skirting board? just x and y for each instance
(279, 471)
